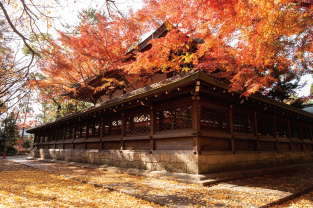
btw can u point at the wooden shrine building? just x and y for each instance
(187, 123)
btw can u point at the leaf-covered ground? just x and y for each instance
(304, 201)
(22, 186)
(249, 192)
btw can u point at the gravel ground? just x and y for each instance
(249, 192)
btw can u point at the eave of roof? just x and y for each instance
(150, 90)
(168, 84)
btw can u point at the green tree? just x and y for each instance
(9, 131)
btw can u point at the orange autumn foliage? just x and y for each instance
(246, 42)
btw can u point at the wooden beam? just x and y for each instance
(64, 136)
(152, 127)
(301, 137)
(197, 88)
(274, 133)
(289, 135)
(256, 131)
(123, 130)
(87, 134)
(102, 132)
(74, 136)
(196, 124)
(231, 128)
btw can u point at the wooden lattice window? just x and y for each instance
(243, 122)
(211, 118)
(94, 130)
(69, 133)
(306, 132)
(112, 128)
(295, 130)
(265, 124)
(178, 118)
(139, 124)
(281, 127)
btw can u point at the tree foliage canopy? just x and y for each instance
(253, 44)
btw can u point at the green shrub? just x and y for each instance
(27, 143)
(11, 151)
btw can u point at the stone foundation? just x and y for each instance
(185, 162)
(211, 163)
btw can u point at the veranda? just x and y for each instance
(188, 123)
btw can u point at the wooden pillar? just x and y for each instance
(289, 135)
(231, 129)
(311, 136)
(102, 133)
(74, 132)
(274, 133)
(301, 137)
(196, 124)
(49, 135)
(123, 130)
(74, 136)
(64, 136)
(87, 134)
(256, 131)
(152, 128)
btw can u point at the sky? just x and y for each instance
(306, 90)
